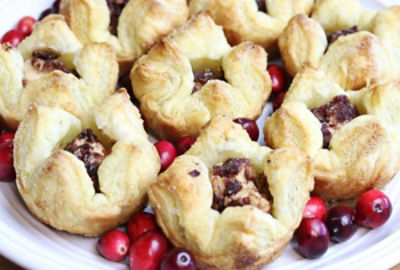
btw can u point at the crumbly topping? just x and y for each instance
(46, 61)
(335, 35)
(45, 54)
(334, 115)
(115, 7)
(41, 63)
(87, 148)
(234, 184)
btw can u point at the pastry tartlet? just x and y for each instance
(131, 27)
(259, 21)
(85, 177)
(351, 135)
(357, 48)
(232, 203)
(50, 67)
(194, 75)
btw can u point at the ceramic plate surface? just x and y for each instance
(33, 245)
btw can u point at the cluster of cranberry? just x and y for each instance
(23, 29)
(25, 26)
(147, 247)
(279, 83)
(340, 222)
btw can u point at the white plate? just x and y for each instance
(33, 245)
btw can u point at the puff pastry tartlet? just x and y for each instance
(351, 135)
(260, 21)
(216, 199)
(51, 67)
(85, 177)
(194, 74)
(131, 27)
(358, 48)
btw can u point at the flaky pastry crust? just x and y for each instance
(240, 237)
(95, 63)
(141, 23)
(242, 21)
(336, 15)
(362, 154)
(54, 183)
(354, 61)
(163, 80)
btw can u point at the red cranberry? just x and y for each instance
(312, 238)
(140, 223)
(167, 153)
(7, 137)
(25, 25)
(14, 37)
(315, 207)
(184, 144)
(56, 6)
(178, 259)
(278, 77)
(278, 100)
(113, 245)
(147, 251)
(373, 209)
(7, 171)
(341, 223)
(250, 126)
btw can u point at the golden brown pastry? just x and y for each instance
(336, 15)
(233, 203)
(194, 75)
(352, 136)
(51, 67)
(131, 27)
(259, 21)
(85, 177)
(359, 49)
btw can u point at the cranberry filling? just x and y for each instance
(261, 6)
(334, 115)
(115, 7)
(46, 61)
(202, 77)
(87, 148)
(335, 35)
(235, 183)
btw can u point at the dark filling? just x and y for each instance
(202, 77)
(87, 148)
(334, 115)
(235, 183)
(335, 35)
(115, 7)
(261, 6)
(194, 173)
(46, 61)
(54, 9)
